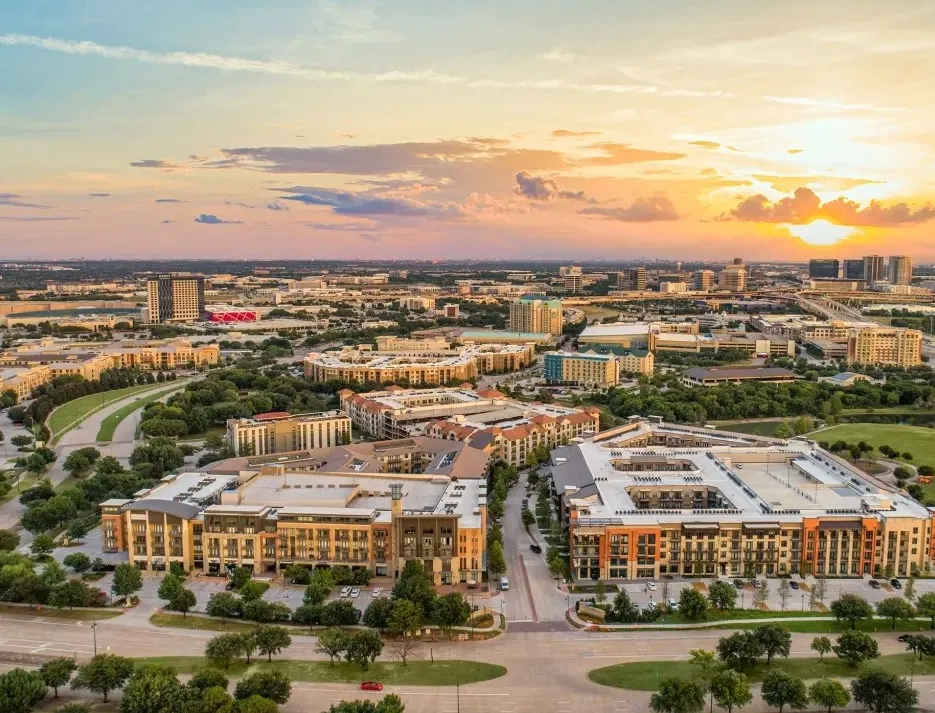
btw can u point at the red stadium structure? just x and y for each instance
(231, 316)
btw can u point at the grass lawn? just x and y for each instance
(202, 623)
(109, 424)
(25, 484)
(917, 440)
(415, 673)
(645, 675)
(74, 411)
(50, 613)
(756, 428)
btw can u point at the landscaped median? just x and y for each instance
(110, 423)
(71, 413)
(82, 613)
(646, 675)
(413, 673)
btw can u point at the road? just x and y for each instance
(542, 666)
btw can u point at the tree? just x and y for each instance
(73, 708)
(692, 604)
(108, 465)
(223, 604)
(251, 591)
(183, 600)
(529, 519)
(884, 692)
(624, 608)
(909, 590)
(894, 608)
(169, 585)
(377, 615)
(678, 695)
(851, 608)
(784, 593)
(740, 649)
(854, 647)
(205, 678)
(340, 612)
(154, 689)
(363, 647)
(731, 689)
(820, 586)
(78, 561)
(451, 610)
(57, 672)
(722, 595)
(273, 685)
(127, 580)
(308, 615)
(781, 689)
(9, 540)
(775, 640)
(707, 662)
(315, 593)
(213, 699)
(926, 607)
(103, 673)
(223, 649)
(271, 640)
(415, 585)
(761, 594)
(20, 691)
(405, 622)
(42, 545)
(821, 644)
(332, 642)
(73, 593)
(256, 704)
(829, 693)
(496, 562)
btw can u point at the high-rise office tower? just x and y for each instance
(824, 268)
(874, 268)
(703, 280)
(531, 314)
(854, 269)
(733, 278)
(900, 269)
(175, 298)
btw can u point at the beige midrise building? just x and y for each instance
(281, 432)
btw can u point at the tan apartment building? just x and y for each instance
(281, 432)
(536, 315)
(704, 280)
(582, 369)
(22, 380)
(175, 298)
(887, 346)
(651, 499)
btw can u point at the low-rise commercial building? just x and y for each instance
(313, 509)
(280, 432)
(682, 337)
(715, 376)
(652, 499)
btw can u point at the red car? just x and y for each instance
(371, 686)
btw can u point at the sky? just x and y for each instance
(596, 129)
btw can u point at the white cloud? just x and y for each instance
(828, 104)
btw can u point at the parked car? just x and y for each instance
(355, 592)
(874, 583)
(346, 592)
(738, 583)
(903, 638)
(229, 586)
(377, 592)
(371, 686)
(651, 586)
(673, 605)
(793, 584)
(755, 583)
(535, 548)
(896, 583)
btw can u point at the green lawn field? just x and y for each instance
(109, 424)
(917, 440)
(73, 411)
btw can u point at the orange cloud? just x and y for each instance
(712, 145)
(615, 154)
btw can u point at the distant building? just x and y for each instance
(417, 303)
(175, 298)
(824, 268)
(533, 314)
(900, 269)
(853, 270)
(673, 287)
(584, 369)
(874, 268)
(566, 270)
(704, 280)
(280, 432)
(735, 375)
(885, 346)
(733, 278)
(573, 284)
(451, 311)
(632, 279)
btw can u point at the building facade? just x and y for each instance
(733, 278)
(531, 314)
(704, 280)
(885, 346)
(279, 432)
(900, 269)
(853, 270)
(874, 268)
(582, 369)
(175, 298)
(651, 499)
(824, 268)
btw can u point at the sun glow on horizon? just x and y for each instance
(821, 232)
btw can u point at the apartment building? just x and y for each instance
(420, 366)
(582, 369)
(281, 432)
(417, 303)
(272, 515)
(533, 314)
(164, 355)
(175, 298)
(22, 380)
(885, 346)
(651, 499)
(392, 343)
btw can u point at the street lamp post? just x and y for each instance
(94, 633)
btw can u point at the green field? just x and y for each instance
(69, 413)
(110, 423)
(50, 613)
(415, 673)
(918, 441)
(756, 428)
(645, 675)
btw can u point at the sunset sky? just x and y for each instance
(523, 129)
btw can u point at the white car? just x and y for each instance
(651, 586)
(377, 593)
(346, 592)
(355, 592)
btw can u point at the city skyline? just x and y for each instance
(379, 130)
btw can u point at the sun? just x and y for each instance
(820, 232)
